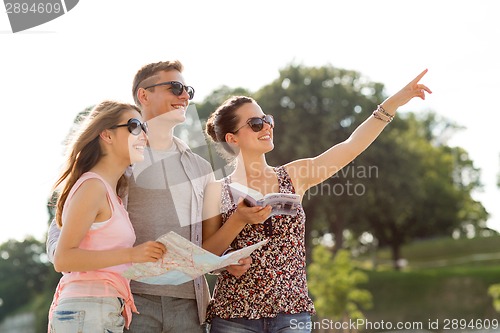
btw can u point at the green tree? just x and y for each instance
(219, 95)
(27, 279)
(494, 292)
(24, 273)
(334, 283)
(315, 108)
(422, 189)
(192, 131)
(407, 185)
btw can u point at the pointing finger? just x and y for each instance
(419, 76)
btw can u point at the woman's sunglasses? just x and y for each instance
(134, 126)
(177, 88)
(257, 124)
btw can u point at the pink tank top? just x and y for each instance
(117, 232)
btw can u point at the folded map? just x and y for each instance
(184, 261)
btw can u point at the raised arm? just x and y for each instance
(309, 172)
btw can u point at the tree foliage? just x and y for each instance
(407, 185)
(192, 131)
(334, 283)
(422, 189)
(314, 108)
(24, 274)
(494, 292)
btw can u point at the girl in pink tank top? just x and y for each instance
(97, 238)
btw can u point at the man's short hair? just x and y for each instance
(147, 75)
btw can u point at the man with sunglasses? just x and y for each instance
(165, 194)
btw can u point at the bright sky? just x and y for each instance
(51, 72)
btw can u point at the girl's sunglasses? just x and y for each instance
(177, 88)
(257, 124)
(134, 126)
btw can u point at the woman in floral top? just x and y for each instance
(268, 293)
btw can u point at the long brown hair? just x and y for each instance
(84, 149)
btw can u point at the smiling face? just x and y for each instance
(245, 138)
(130, 147)
(160, 101)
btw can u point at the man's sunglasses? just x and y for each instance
(134, 126)
(257, 124)
(177, 88)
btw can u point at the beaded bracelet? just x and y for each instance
(385, 113)
(376, 114)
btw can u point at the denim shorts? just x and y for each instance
(88, 315)
(282, 323)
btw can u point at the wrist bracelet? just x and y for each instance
(385, 113)
(376, 114)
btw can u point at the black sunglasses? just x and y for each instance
(177, 88)
(134, 126)
(256, 123)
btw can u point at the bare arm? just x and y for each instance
(89, 204)
(217, 237)
(306, 173)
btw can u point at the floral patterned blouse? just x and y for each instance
(276, 280)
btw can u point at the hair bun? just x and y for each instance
(210, 128)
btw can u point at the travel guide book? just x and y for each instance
(282, 203)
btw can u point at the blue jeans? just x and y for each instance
(88, 315)
(163, 314)
(282, 323)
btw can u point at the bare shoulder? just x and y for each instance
(212, 199)
(88, 201)
(93, 186)
(213, 189)
(300, 172)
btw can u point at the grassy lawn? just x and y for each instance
(444, 279)
(444, 252)
(430, 294)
